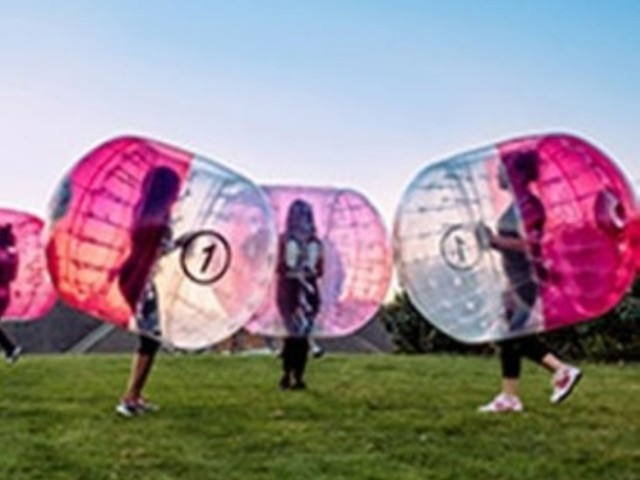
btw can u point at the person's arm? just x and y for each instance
(536, 234)
(488, 239)
(507, 243)
(319, 267)
(168, 244)
(289, 253)
(529, 242)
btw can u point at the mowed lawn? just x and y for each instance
(363, 417)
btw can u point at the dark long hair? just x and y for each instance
(7, 237)
(523, 166)
(300, 222)
(160, 188)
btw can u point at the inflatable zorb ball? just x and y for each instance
(26, 292)
(354, 259)
(635, 234)
(524, 236)
(137, 222)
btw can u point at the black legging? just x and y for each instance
(512, 351)
(294, 357)
(6, 343)
(147, 345)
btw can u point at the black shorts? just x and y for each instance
(147, 345)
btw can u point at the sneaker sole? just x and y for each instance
(508, 410)
(125, 413)
(569, 390)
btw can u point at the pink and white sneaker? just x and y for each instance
(503, 403)
(563, 382)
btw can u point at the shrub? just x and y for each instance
(613, 337)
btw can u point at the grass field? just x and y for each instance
(363, 417)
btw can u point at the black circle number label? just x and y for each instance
(205, 257)
(459, 247)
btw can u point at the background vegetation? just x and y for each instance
(614, 337)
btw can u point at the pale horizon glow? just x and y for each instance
(345, 94)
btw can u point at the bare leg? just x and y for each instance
(510, 386)
(140, 369)
(552, 363)
(511, 354)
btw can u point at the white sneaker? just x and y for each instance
(126, 409)
(130, 408)
(563, 382)
(503, 403)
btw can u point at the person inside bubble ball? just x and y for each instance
(524, 269)
(300, 265)
(150, 238)
(8, 273)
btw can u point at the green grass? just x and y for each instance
(364, 417)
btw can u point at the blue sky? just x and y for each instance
(346, 93)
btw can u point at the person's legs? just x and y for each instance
(565, 377)
(288, 362)
(132, 401)
(517, 309)
(539, 353)
(140, 369)
(551, 362)
(511, 364)
(11, 350)
(6, 342)
(510, 361)
(300, 362)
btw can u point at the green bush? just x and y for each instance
(614, 337)
(411, 333)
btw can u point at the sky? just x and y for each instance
(346, 93)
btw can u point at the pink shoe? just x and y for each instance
(503, 403)
(563, 382)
